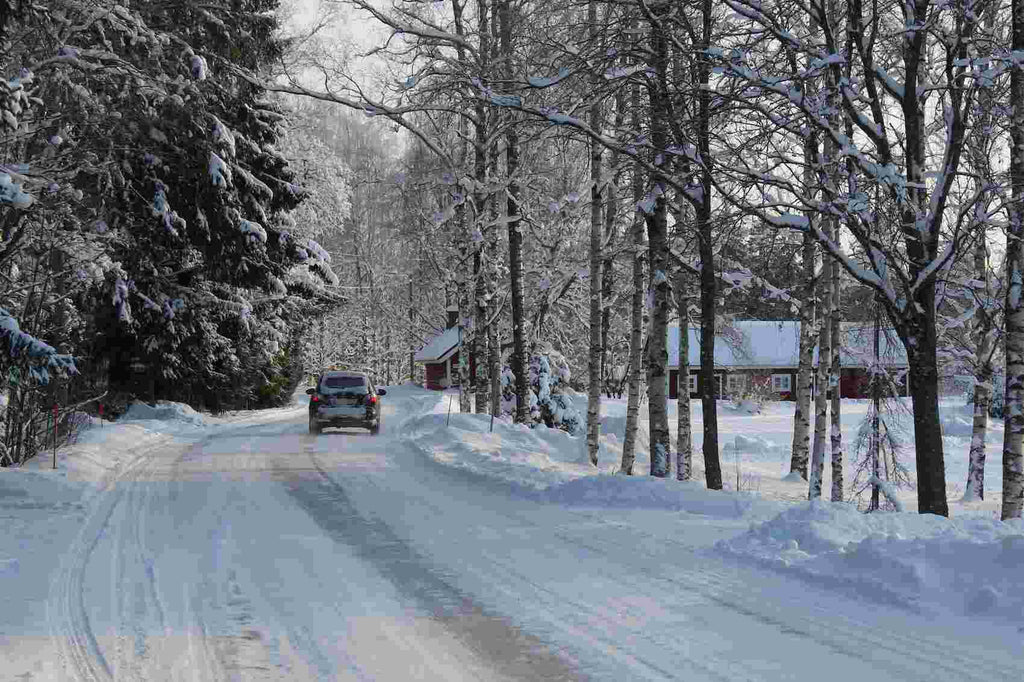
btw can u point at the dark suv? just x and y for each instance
(344, 399)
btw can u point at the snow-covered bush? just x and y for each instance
(550, 402)
(507, 406)
(754, 396)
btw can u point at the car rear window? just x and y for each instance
(344, 384)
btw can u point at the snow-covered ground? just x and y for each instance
(174, 545)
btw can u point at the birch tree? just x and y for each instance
(821, 384)
(1013, 434)
(636, 307)
(596, 262)
(908, 140)
(684, 440)
(802, 404)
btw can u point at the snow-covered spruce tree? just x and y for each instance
(28, 365)
(200, 233)
(550, 405)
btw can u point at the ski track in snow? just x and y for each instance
(77, 644)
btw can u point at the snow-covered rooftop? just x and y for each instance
(440, 347)
(761, 343)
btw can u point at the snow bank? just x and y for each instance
(531, 458)
(163, 411)
(752, 445)
(969, 565)
(551, 466)
(647, 492)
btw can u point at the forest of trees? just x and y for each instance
(197, 205)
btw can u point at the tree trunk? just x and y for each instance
(481, 201)
(821, 383)
(517, 361)
(611, 214)
(412, 346)
(975, 488)
(657, 237)
(809, 308)
(636, 311)
(465, 404)
(801, 414)
(708, 280)
(657, 351)
(876, 403)
(1013, 457)
(684, 439)
(835, 374)
(924, 384)
(596, 229)
(481, 389)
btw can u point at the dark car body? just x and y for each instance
(344, 399)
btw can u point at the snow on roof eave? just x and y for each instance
(440, 347)
(441, 358)
(794, 368)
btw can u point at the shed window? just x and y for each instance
(782, 382)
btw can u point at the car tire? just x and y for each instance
(375, 429)
(314, 427)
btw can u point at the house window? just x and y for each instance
(691, 382)
(782, 383)
(735, 383)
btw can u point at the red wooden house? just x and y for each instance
(759, 352)
(440, 356)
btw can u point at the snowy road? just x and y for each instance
(260, 552)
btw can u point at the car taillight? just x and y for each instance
(372, 400)
(315, 399)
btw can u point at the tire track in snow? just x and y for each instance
(590, 623)
(920, 656)
(513, 653)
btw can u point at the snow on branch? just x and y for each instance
(42, 356)
(544, 82)
(888, 490)
(11, 193)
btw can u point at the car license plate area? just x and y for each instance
(350, 411)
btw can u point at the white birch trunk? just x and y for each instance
(821, 387)
(596, 234)
(805, 369)
(983, 328)
(636, 311)
(809, 302)
(975, 488)
(465, 404)
(1013, 434)
(684, 439)
(657, 236)
(481, 388)
(835, 375)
